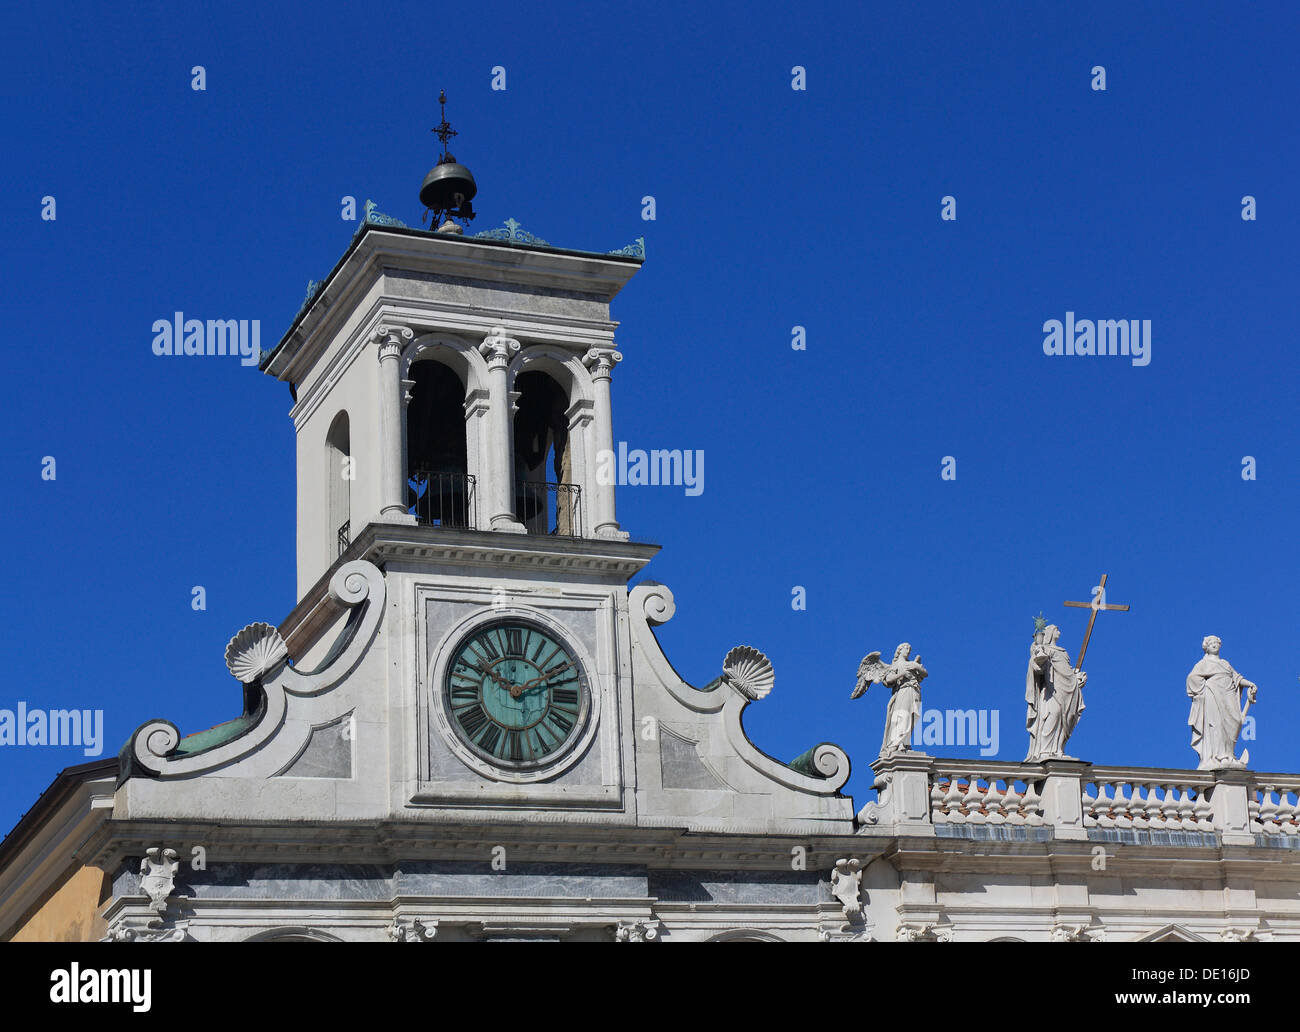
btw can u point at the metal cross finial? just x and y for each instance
(443, 129)
(1097, 604)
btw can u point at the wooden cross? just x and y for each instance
(1097, 604)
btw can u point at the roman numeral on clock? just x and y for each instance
(489, 650)
(565, 696)
(490, 738)
(561, 721)
(515, 642)
(472, 719)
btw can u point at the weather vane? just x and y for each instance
(443, 129)
(449, 187)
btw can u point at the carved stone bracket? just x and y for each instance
(412, 930)
(179, 932)
(1078, 933)
(915, 931)
(637, 931)
(846, 886)
(158, 878)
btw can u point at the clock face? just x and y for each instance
(516, 694)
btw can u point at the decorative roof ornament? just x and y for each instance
(636, 249)
(749, 672)
(449, 187)
(513, 232)
(375, 217)
(313, 290)
(255, 651)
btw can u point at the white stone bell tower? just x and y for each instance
(454, 382)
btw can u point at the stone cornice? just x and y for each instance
(526, 842)
(599, 277)
(589, 558)
(1055, 857)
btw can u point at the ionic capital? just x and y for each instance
(497, 348)
(391, 340)
(601, 362)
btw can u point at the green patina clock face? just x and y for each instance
(517, 694)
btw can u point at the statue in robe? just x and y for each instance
(1217, 711)
(903, 678)
(1054, 696)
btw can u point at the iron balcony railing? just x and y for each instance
(549, 508)
(444, 499)
(345, 536)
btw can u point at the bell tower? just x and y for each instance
(449, 381)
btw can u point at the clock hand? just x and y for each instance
(543, 678)
(495, 676)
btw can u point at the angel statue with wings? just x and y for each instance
(903, 678)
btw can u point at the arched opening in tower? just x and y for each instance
(440, 491)
(546, 492)
(338, 485)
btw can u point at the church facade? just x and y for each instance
(466, 729)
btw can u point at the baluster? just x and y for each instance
(1105, 807)
(1252, 809)
(952, 800)
(1287, 818)
(993, 803)
(1268, 811)
(936, 799)
(1014, 805)
(1123, 818)
(1160, 807)
(1186, 812)
(1140, 806)
(1203, 811)
(1033, 805)
(972, 802)
(1089, 802)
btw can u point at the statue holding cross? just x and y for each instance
(1053, 688)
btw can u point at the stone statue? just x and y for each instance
(903, 678)
(1054, 694)
(1217, 713)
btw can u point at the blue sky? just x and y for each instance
(775, 208)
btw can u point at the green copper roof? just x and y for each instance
(803, 763)
(201, 741)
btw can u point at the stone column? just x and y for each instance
(1063, 797)
(497, 466)
(601, 362)
(392, 477)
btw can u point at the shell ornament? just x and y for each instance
(255, 651)
(749, 672)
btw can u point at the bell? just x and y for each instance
(448, 186)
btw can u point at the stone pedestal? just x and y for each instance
(1230, 803)
(903, 781)
(1063, 797)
